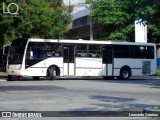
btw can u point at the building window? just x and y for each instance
(79, 22)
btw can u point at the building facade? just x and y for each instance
(82, 26)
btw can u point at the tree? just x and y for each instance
(36, 18)
(118, 17)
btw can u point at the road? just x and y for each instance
(79, 95)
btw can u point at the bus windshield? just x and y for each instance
(16, 51)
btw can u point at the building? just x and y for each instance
(82, 26)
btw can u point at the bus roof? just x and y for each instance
(88, 42)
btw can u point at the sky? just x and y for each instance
(75, 2)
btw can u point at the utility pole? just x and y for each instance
(91, 29)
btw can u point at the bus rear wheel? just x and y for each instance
(52, 73)
(125, 73)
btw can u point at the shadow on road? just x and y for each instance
(110, 103)
(152, 81)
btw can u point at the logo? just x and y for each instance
(141, 21)
(6, 114)
(11, 9)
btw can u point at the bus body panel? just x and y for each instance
(136, 66)
(153, 66)
(15, 70)
(48, 62)
(40, 69)
(83, 67)
(35, 72)
(88, 66)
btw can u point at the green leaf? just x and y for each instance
(36, 18)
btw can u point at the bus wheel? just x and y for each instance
(52, 73)
(10, 78)
(35, 78)
(125, 73)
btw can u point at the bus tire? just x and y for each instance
(125, 73)
(35, 78)
(52, 73)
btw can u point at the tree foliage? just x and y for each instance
(118, 17)
(36, 18)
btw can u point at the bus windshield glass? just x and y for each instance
(16, 51)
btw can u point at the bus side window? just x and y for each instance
(134, 52)
(82, 50)
(94, 51)
(35, 51)
(149, 52)
(53, 50)
(57, 52)
(142, 52)
(121, 51)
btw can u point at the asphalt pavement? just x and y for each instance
(80, 94)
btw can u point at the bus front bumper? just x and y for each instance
(16, 72)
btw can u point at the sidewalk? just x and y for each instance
(3, 75)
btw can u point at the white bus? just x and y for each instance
(52, 58)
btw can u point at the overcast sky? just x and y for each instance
(75, 2)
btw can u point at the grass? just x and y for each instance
(158, 72)
(156, 108)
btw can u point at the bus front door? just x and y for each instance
(68, 60)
